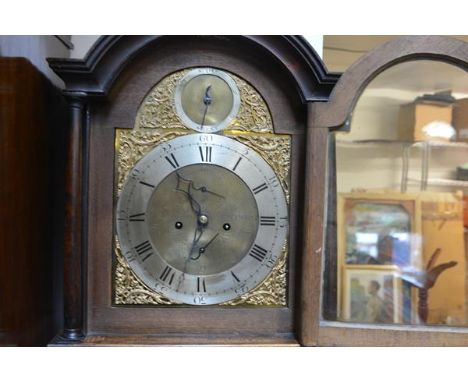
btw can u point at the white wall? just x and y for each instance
(82, 44)
(36, 49)
(317, 43)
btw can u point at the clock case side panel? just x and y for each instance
(33, 113)
(129, 90)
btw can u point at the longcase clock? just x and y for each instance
(186, 181)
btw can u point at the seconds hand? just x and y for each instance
(207, 101)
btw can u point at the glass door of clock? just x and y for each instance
(402, 201)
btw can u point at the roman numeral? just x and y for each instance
(267, 220)
(143, 248)
(258, 253)
(201, 285)
(146, 184)
(167, 275)
(234, 275)
(207, 156)
(137, 217)
(172, 162)
(237, 164)
(260, 188)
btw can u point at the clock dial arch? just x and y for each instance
(265, 225)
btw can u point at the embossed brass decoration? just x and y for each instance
(272, 292)
(158, 109)
(129, 289)
(132, 145)
(157, 122)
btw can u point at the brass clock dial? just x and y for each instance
(202, 219)
(207, 100)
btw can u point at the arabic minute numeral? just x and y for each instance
(199, 300)
(270, 262)
(205, 138)
(135, 173)
(241, 290)
(273, 181)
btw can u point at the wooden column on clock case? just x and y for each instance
(73, 257)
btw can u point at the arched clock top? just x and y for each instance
(335, 113)
(110, 55)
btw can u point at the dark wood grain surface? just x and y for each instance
(31, 203)
(314, 225)
(110, 55)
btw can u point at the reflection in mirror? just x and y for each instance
(402, 186)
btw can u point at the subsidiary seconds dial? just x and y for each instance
(202, 219)
(207, 99)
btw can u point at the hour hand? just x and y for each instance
(185, 186)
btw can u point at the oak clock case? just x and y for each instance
(201, 215)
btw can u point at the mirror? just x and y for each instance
(402, 187)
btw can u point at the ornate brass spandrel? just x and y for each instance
(254, 115)
(157, 111)
(129, 290)
(272, 291)
(133, 144)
